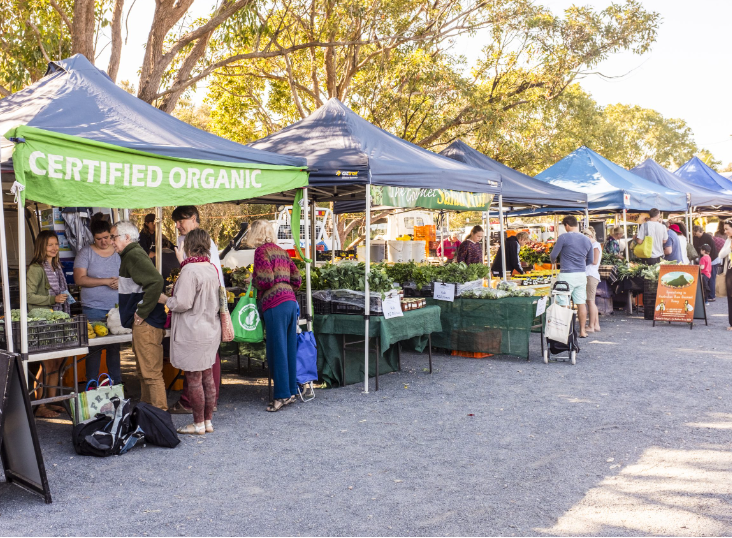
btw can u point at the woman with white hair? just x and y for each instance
(276, 277)
(593, 279)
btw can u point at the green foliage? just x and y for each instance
(414, 85)
(352, 276)
(459, 273)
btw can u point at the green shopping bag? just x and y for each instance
(98, 399)
(246, 320)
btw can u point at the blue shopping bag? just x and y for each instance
(307, 358)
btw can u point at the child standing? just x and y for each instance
(705, 267)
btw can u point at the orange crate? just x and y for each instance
(471, 354)
(81, 371)
(169, 373)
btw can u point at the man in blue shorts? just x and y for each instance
(574, 251)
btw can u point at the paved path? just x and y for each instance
(633, 440)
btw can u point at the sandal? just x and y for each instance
(192, 429)
(277, 405)
(290, 400)
(180, 409)
(57, 408)
(44, 412)
(209, 426)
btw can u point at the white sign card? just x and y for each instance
(444, 292)
(392, 306)
(541, 306)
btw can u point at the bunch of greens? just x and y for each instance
(651, 272)
(352, 276)
(409, 272)
(458, 273)
(240, 276)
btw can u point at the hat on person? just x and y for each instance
(675, 228)
(150, 217)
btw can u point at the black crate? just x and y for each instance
(321, 307)
(51, 336)
(346, 306)
(410, 290)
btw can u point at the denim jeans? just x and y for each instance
(94, 358)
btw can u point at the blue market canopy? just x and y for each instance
(695, 171)
(344, 149)
(76, 98)
(609, 186)
(517, 188)
(700, 197)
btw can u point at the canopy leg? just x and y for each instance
(308, 288)
(503, 242)
(367, 291)
(159, 239)
(5, 278)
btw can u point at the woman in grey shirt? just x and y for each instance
(96, 271)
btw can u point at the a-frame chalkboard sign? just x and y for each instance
(20, 450)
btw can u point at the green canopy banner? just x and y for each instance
(64, 170)
(430, 198)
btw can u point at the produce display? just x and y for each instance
(351, 276)
(633, 269)
(536, 252)
(48, 328)
(534, 278)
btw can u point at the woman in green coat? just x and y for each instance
(46, 288)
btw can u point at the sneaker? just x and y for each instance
(180, 409)
(712, 299)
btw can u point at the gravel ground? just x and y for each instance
(633, 440)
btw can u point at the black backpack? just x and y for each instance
(155, 424)
(86, 428)
(101, 436)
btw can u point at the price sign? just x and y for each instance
(392, 307)
(541, 306)
(444, 292)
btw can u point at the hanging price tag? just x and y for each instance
(541, 306)
(392, 307)
(444, 292)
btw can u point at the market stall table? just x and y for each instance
(337, 368)
(495, 326)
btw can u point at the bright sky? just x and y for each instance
(686, 74)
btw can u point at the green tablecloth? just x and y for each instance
(414, 327)
(500, 326)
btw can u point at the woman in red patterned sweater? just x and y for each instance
(276, 277)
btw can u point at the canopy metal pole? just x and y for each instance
(503, 241)
(442, 236)
(6, 279)
(487, 241)
(159, 239)
(367, 308)
(308, 288)
(23, 286)
(334, 233)
(115, 215)
(587, 218)
(125, 214)
(625, 232)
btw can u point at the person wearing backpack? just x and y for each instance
(196, 328)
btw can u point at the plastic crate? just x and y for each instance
(45, 336)
(410, 290)
(344, 304)
(321, 307)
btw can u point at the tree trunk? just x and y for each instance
(82, 31)
(167, 13)
(116, 54)
(196, 53)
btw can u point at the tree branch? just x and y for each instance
(116, 52)
(62, 13)
(5, 92)
(39, 39)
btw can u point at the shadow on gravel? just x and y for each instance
(666, 492)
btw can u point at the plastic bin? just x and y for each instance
(50, 336)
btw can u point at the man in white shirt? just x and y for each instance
(654, 229)
(186, 218)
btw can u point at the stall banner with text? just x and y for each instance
(430, 198)
(676, 295)
(64, 170)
